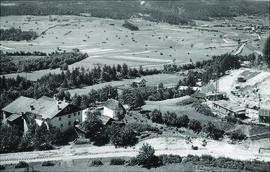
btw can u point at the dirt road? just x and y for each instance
(162, 145)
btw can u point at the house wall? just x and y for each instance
(221, 110)
(66, 121)
(108, 112)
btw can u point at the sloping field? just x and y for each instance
(106, 41)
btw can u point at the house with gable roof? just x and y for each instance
(113, 109)
(59, 114)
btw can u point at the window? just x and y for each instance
(78, 113)
(68, 116)
(59, 118)
(61, 125)
(69, 123)
(74, 114)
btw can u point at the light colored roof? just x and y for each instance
(229, 105)
(13, 117)
(113, 104)
(210, 87)
(139, 80)
(104, 119)
(48, 107)
(21, 104)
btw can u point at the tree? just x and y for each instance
(146, 157)
(42, 135)
(194, 125)
(156, 116)
(266, 51)
(10, 138)
(124, 69)
(94, 125)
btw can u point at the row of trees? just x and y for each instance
(37, 138)
(171, 119)
(50, 61)
(116, 133)
(13, 34)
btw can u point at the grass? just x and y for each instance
(81, 165)
(152, 80)
(108, 44)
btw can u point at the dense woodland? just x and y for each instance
(174, 12)
(50, 61)
(13, 34)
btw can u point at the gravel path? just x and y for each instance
(162, 145)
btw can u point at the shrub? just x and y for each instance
(237, 135)
(96, 163)
(212, 131)
(170, 159)
(117, 161)
(48, 163)
(195, 125)
(46, 146)
(203, 109)
(156, 116)
(2, 167)
(147, 157)
(182, 121)
(191, 158)
(22, 164)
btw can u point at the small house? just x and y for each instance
(227, 108)
(113, 109)
(139, 82)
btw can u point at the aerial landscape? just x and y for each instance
(141, 85)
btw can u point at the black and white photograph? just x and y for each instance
(135, 85)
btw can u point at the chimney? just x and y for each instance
(58, 107)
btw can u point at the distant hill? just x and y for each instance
(175, 11)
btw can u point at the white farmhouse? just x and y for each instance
(113, 109)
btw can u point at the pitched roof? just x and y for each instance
(104, 119)
(13, 117)
(139, 80)
(230, 106)
(210, 87)
(113, 104)
(21, 104)
(83, 125)
(48, 107)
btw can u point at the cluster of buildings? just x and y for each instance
(56, 113)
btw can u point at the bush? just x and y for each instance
(237, 135)
(117, 161)
(2, 167)
(212, 131)
(22, 164)
(46, 146)
(96, 163)
(170, 159)
(203, 109)
(156, 116)
(195, 125)
(147, 157)
(48, 163)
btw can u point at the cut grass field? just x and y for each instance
(106, 41)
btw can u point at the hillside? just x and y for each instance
(156, 10)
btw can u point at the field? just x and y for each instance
(152, 80)
(106, 41)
